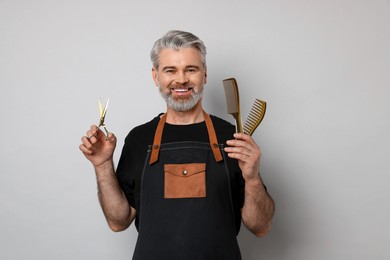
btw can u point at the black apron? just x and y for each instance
(186, 210)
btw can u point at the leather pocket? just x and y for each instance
(185, 180)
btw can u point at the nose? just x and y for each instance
(181, 78)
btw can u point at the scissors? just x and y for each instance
(103, 113)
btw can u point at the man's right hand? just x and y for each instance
(99, 150)
(96, 147)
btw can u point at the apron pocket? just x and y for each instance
(185, 180)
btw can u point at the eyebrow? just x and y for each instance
(168, 68)
(192, 67)
(187, 67)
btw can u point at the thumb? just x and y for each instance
(111, 137)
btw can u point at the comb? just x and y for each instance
(233, 101)
(255, 116)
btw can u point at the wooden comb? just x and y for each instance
(256, 114)
(233, 101)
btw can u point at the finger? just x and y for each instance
(86, 142)
(84, 149)
(242, 136)
(240, 156)
(89, 134)
(246, 149)
(94, 128)
(85, 139)
(245, 139)
(240, 143)
(111, 137)
(93, 131)
(92, 137)
(239, 150)
(235, 142)
(95, 134)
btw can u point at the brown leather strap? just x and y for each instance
(210, 129)
(212, 137)
(157, 139)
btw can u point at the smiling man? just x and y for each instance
(180, 77)
(185, 177)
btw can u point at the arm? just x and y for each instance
(259, 207)
(99, 151)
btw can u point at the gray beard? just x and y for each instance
(181, 105)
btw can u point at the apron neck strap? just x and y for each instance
(213, 138)
(210, 129)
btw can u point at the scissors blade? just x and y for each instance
(102, 112)
(100, 108)
(105, 108)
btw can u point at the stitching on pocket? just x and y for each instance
(185, 180)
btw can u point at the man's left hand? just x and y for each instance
(247, 152)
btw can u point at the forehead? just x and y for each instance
(180, 58)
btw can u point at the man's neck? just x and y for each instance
(192, 116)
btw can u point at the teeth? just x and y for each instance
(181, 90)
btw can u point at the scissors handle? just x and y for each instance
(105, 129)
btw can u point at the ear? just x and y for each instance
(155, 76)
(205, 77)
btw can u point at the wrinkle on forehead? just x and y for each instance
(180, 58)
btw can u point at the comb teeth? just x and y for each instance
(255, 116)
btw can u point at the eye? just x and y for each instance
(191, 70)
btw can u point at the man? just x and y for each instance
(185, 177)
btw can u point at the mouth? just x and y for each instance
(181, 91)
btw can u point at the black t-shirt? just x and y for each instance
(133, 157)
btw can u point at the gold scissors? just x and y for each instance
(103, 113)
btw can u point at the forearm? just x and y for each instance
(258, 208)
(112, 199)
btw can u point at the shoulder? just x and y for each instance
(219, 122)
(143, 132)
(223, 128)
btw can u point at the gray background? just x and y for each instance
(322, 66)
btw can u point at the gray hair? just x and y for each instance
(177, 40)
